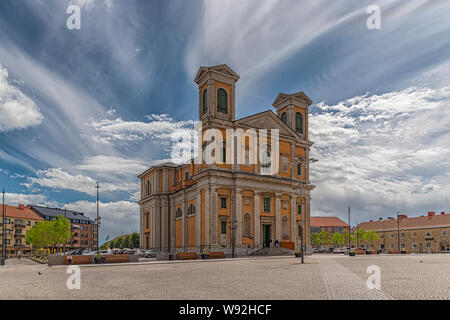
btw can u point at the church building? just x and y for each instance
(199, 206)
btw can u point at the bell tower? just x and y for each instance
(216, 92)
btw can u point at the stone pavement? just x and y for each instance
(281, 278)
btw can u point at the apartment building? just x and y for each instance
(424, 234)
(14, 228)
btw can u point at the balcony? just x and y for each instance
(19, 245)
(19, 224)
(19, 235)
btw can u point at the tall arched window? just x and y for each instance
(149, 188)
(299, 122)
(178, 213)
(222, 101)
(205, 101)
(191, 209)
(247, 222)
(285, 227)
(284, 117)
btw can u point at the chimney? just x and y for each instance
(431, 214)
(21, 207)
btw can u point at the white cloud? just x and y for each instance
(117, 217)
(113, 165)
(59, 179)
(383, 153)
(14, 199)
(17, 111)
(89, 4)
(160, 126)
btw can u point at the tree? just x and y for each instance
(127, 242)
(315, 239)
(324, 237)
(49, 234)
(134, 240)
(370, 236)
(337, 239)
(360, 236)
(346, 235)
(60, 230)
(119, 243)
(112, 244)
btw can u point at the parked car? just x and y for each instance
(150, 254)
(117, 251)
(140, 253)
(131, 252)
(105, 252)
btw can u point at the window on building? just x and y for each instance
(223, 202)
(414, 234)
(266, 161)
(178, 213)
(266, 204)
(223, 227)
(28, 223)
(299, 122)
(428, 245)
(284, 117)
(402, 235)
(205, 101)
(186, 175)
(299, 169)
(247, 223)
(149, 188)
(284, 163)
(147, 220)
(285, 226)
(444, 233)
(299, 209)
(223, 153)
(222, 101)
(191, 209)
(428, 233)
(413, 245)
(391, 235)
(402, 245)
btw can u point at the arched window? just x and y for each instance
(186, 175)
(284, 117)
(191, 209)
(205, 101)
(285, 227)
(299, 122)
(178, 213)
(147, 220)
(149, 188)
(222, 101)
(247, 222)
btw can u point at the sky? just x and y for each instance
(99, 103)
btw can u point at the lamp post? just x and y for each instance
(398, 231)
(98, 218)
(2, 259)
(349, 228)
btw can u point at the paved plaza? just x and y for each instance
(280, 278)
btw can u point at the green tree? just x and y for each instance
(346, 235)
(112, 244)
(337, 239)
(360, 236)
(60, 231)
(127, 242)
(324, 237)
(119, 243)
(134, 240)
(370, 236)
(315, 239)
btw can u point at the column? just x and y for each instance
(198, 220)
(184, 224)
(207, 215)
(294, 220)
(277, 217)
(213, 216)
(239, 217)
(257, 212)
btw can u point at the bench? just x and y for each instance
(217, 255)
(186, 256)
(117, 258)
(78, 260)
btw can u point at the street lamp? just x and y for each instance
(2, 259)
(398, 231)
(98, 218)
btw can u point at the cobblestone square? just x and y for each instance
(279, 278)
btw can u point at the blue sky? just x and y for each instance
(100, 103)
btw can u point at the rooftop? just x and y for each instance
(327, 222)
(53, 212)
(429, 221)
(20, 212)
